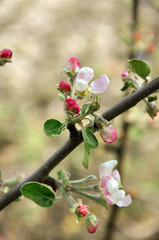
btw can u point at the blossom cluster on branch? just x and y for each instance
(107, 189)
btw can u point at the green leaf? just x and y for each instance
(53, 127)
(61, 96)
(89, 138)
(140, 67)
(125, 87)
(151, 99)
(38, 193)
(85, 161)
(85, 108)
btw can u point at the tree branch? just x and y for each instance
(41, 174)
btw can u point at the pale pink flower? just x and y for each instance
(108, 134)
(111, 183)
(84, 81)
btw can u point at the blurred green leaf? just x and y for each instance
(38, 193)
(89, 138)
(140, 67)
(53, 127)
(85, 161)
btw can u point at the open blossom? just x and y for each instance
(110, 184)
(72, 105)
(84, 81)
(108, 134)
(64, 86)
(6, 53)
(73, 64)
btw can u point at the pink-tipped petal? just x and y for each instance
(100, 85)
(105, 169)
(86, 74)
(116, 196)
(126, 201)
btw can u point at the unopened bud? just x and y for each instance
(108, 134)
(72, 105)
(64, 86)
(125, 74)
(91, 223)
(6, 53)
(5, 56)
(152, 109)
(73, 64)
(82, 210)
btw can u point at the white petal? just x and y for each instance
(105, 169)
(112, 185)
(116, 175)
(81, 85)
(100, 85)
(85, 73)
(126, 201)
(116, 196)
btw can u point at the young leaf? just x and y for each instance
(53, 127)
(140, 67)
(89, 138)
(85, 108)
(85, 161)
(38, 193)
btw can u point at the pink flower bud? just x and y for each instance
(72, 105)
(64, 86)
(6, 53)
(73, 64)
(91, 223)
(152, 109)
(108, 134)
(125, 74)
(82, 210)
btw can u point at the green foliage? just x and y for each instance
(53, 127)
(140, 67)
(85, 109)
(85, 161)
(38, 193)
(89, 138)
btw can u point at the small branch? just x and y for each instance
(43, 171)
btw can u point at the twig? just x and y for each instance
(41, 174)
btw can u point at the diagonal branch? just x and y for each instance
(42, 172)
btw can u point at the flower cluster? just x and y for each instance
(139, 71)
(111, 184)
(81, 85)
(90, 220)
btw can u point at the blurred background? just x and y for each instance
(103, 34)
